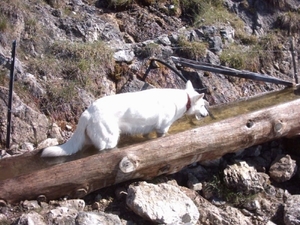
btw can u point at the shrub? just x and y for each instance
(192, 50)
(217, 186)
(3, 23)
(73, 66)
(289, 21)
(150, 49)
(270, 49)
(276, 3)
(82, 62)
(240, 57)
(192, 8)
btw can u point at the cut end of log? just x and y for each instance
(128, 164)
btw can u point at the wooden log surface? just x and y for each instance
(233, 127)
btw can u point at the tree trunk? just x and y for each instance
(233, 127)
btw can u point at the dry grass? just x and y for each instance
(289, 21)
(192, 50)
(239, 57)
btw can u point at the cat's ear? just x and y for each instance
(189, 85)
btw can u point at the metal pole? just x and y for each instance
(294, 60)
(11, 87)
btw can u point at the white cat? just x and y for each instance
(132, 113)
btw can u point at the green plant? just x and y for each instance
(276, 3)
(192, 8)
(217, 186)
(213, 15)
(82, 62)
(270, 49)
(60, 99)
(149, 50)
(289, 21)
(119, 3)
(192, 50)
(69, 67)
(245, 38)
(239, 57)
(4, 78)
(3, 23)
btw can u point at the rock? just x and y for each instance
(252, 205)
(242, 177)
(283, 168)
(292, 210)
(30, 218)
(162, 203)
(77, 204)
(30, 80)
(134, 85)
(48, 142)
(215, 44)
(228, 33)
(89, 218)
(28, 125)
(55, 132)
(31, 205)
(193, 183)
(61, 215)
(164, 39)
(27, 146)
(124, 56)
(210, 214)
(68, 127)
(3, 219)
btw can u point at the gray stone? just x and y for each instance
(47, 142)
(77, 204)
(292, 210)
(124, 56)
(193, 183)
(215, 44)
(90, 218)
(30, 218)
(283, 168)
(62, 216)
(55, 132)
(27, 146)
(252, 205)
(228, 33)
(3, 219)
(164, 39)
(31, 205)
(162, 203)
(210, 214)
(245, 178)
(28, 125)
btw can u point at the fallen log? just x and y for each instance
(233, 127)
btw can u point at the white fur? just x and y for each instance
(132, 113)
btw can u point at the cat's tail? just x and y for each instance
(74, 144)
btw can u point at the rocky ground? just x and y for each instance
(259, 185)
(72, 52)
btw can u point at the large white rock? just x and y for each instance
(162, 203)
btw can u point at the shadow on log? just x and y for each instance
(233, 127)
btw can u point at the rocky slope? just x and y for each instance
(72, 52)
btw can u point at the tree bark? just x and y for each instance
(233, 127)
